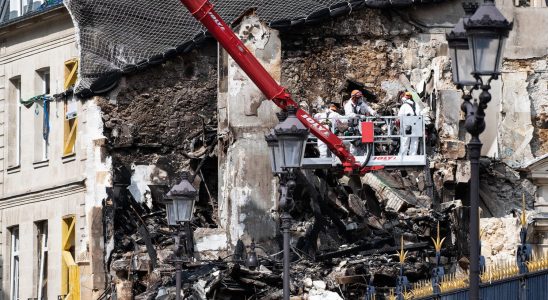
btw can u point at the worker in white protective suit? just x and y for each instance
(356, 107)
(330, 118)
(408, 145)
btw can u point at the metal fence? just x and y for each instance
(530, 286)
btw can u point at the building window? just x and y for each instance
(16, 8)
(71, 126)
(44, 75)
(71, 106)
(41, 116)
(42, 255)
(14, 263)
(531, 3)
(14, 125)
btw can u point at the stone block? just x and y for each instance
(463, 171)
(516, 129)
(124, 290)
(210, 239)
(448, 114)
(456, 203)
(453, 149)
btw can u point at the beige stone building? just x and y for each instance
(46, 220)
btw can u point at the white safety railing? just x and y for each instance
(389, 135)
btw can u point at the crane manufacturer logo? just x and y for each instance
(217, 21)
(385, 158)
(313, 124)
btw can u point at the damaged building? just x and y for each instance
(154, 96)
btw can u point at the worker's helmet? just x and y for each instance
(356, 93)
(408, 95)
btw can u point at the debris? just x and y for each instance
(323, 295)
(392, 196)
(307, 282)
(318, 284)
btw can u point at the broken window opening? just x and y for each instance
(14, 125)
(14, 263)
(42, 263)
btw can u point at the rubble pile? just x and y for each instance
(343, 238)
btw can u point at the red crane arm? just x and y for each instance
(203, 11)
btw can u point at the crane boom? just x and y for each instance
(203, 11)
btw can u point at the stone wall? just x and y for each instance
(390, 51)
(151, 115)
(370, 46)
(248, 191)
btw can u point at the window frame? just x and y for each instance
(15, 262)
(15, 94)
(45, 89)
(42, 241)
(70, 130)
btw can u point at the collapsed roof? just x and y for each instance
(121, 37)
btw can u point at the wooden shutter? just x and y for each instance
(70, 273)
(71, 73)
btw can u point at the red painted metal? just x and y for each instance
(368, 132)
(203, 11)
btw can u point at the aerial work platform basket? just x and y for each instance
(377, 140)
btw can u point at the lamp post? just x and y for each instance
(179, 203)
(287, 144)
(486, 31)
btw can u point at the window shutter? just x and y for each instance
(71, 73)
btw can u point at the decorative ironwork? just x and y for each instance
(402, 254)
(524, 251)
(420, 289)
(437, 272)
(500, 271)
(537, 263)
(451, 282)
(402, 281)
(437, 241)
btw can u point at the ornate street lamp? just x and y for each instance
(292, 136)
(179, 203)
(275, 153)
(486, 30)
(287, 144)
(462, 61)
